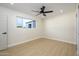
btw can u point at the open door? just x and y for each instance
(3, 33)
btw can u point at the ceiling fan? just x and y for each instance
(42, 11)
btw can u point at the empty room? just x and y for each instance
(38, 29)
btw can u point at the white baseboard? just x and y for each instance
(60, 40)
(11, 45)
(14, 44)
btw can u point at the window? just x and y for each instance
(29, 25)
(25, 23)
(19, 22)
(34, 24)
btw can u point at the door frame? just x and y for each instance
(6, 30)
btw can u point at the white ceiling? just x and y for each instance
(28, 7)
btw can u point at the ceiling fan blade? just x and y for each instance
(44, 14)
(48, 11)
(35, 11)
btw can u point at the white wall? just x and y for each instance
(61, 27)
(19, 35)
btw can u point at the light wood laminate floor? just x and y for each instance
(41, 47)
